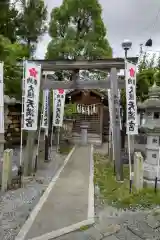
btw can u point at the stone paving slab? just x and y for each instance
(93, 233)
(72, 236)
(111, 238)
(125, 234)
(142, 230)
(67, 202)
(153, 221)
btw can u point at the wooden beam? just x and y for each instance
(91, 84)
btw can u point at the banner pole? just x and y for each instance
(39, 135)
(20, 169)
(52, 122)
(156, 178)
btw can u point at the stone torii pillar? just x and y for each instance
(116, 125)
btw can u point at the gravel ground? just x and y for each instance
(16, 205)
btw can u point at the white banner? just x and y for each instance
(119, 99)
(45, 113)
(31, 96)
(110, 107)
(1, 99)
(131, 105)
(58, 107)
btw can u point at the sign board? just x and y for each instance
(70, 109)
(45, 113)
(58, 107)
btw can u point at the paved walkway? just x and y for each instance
(65, 202)
(120, 226)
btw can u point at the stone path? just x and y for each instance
(70, 205)
(125, 226)
(67, 202)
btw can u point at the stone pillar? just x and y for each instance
(6, 169)
(84, 134)
(138, 171)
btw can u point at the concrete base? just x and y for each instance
(150, 172)
(151, 184)
(92, 139)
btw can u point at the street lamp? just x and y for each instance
(126, 45)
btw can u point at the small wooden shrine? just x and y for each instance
(91, 108)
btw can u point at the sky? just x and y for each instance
(136, 20)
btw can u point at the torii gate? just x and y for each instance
(113, 82)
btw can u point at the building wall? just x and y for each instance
(13, 130)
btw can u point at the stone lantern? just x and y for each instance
(151, 127)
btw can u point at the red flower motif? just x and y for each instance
(132, 72)
(33, 72)
(61, 91)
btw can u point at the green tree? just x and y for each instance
(145, 77)
(33, 16)
(10, 53)
(9, 20)
(19, 34)
(77, 31)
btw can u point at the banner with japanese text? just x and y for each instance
(1, 99)
(45, 114)
(31, 95)
(110, 107)
(58, 107)
(120, 109)
(131, 105)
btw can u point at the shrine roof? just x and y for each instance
(150, 103)
(100, 93)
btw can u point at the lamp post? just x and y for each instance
(126, 45)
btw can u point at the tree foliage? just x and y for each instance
(77, 31)
(147, 68)
(19, 34)
(33, 16)
(10, 53)
(9, 20)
